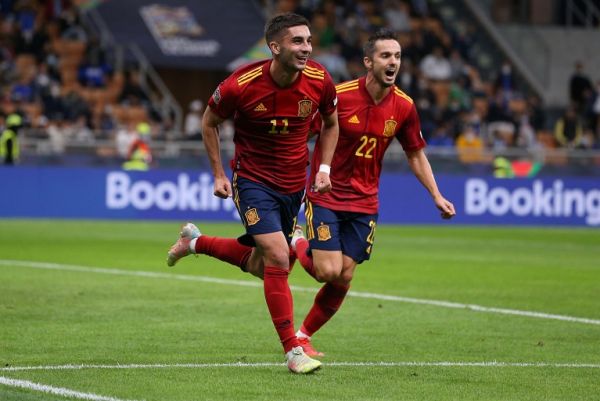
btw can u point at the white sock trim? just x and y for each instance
(301, 334)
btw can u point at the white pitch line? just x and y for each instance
(491, 364)
(65, 392)
(246, 283)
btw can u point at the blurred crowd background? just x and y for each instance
(81, 102)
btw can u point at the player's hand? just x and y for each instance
(322, 183)
(446, 207)
(222, 187)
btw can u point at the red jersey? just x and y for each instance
(272, 123)
(366, 131)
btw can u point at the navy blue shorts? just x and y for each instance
(350, 232)
(264, 210)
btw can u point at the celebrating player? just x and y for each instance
(372, 111)
(272, 103)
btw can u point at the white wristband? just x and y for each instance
(325, 168)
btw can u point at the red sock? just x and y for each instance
(280, 303)
(226, 249)
(303, 257)
(327, 302)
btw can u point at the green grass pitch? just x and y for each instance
(439, 313)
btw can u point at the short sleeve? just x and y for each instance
(329, 98)
(223, 99)
(410, 135)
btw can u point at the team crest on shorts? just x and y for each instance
(390, 128)
(304, 108)
(252, 216)
(323, 232)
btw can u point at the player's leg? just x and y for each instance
(322, 257)
(269, 218)
(356, 233)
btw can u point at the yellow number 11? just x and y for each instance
(284, 130)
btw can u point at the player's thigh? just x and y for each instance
(327, 264)
(322, 228)
(357, 233)
(263, 210)
(274, 248)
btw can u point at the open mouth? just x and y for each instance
(390, 73)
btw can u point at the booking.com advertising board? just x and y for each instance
(187, 195)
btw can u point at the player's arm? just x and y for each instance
(327, 143)
(419, 165)
(212, 144)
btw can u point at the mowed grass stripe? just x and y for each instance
(444, 304)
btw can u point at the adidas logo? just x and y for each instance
(354, 120)
(260, 107)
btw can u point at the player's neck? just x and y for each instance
(282, 76)
(375, 89)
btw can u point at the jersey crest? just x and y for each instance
(304, 108)
(389, 128)
(323, 232)
(252, 216)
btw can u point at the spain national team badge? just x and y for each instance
(390, 128)
(252, 216)
(304, 108)
(323, 232)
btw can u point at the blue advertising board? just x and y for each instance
(96, 193)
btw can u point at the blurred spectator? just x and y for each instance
(9, 141)
(93, 73)
(441, 136)
(75, 106)
(435, 66)
(580, 87)
(193, 121)
(470, 147)
(58, 135)
(595, 123)
(53, 105)
(71, 27)
(124, 138)
(132, 93)
(505, 81)
(139, 155)
(23, 90)
(397, 15)
(568, 130)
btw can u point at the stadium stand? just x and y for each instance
(464, 82)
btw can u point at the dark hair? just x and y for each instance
(382, 34)
(283, 21)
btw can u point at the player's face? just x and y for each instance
(385, 63)
(295, 47)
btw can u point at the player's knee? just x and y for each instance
(345, 277)
(327, 274)
(278, 258)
